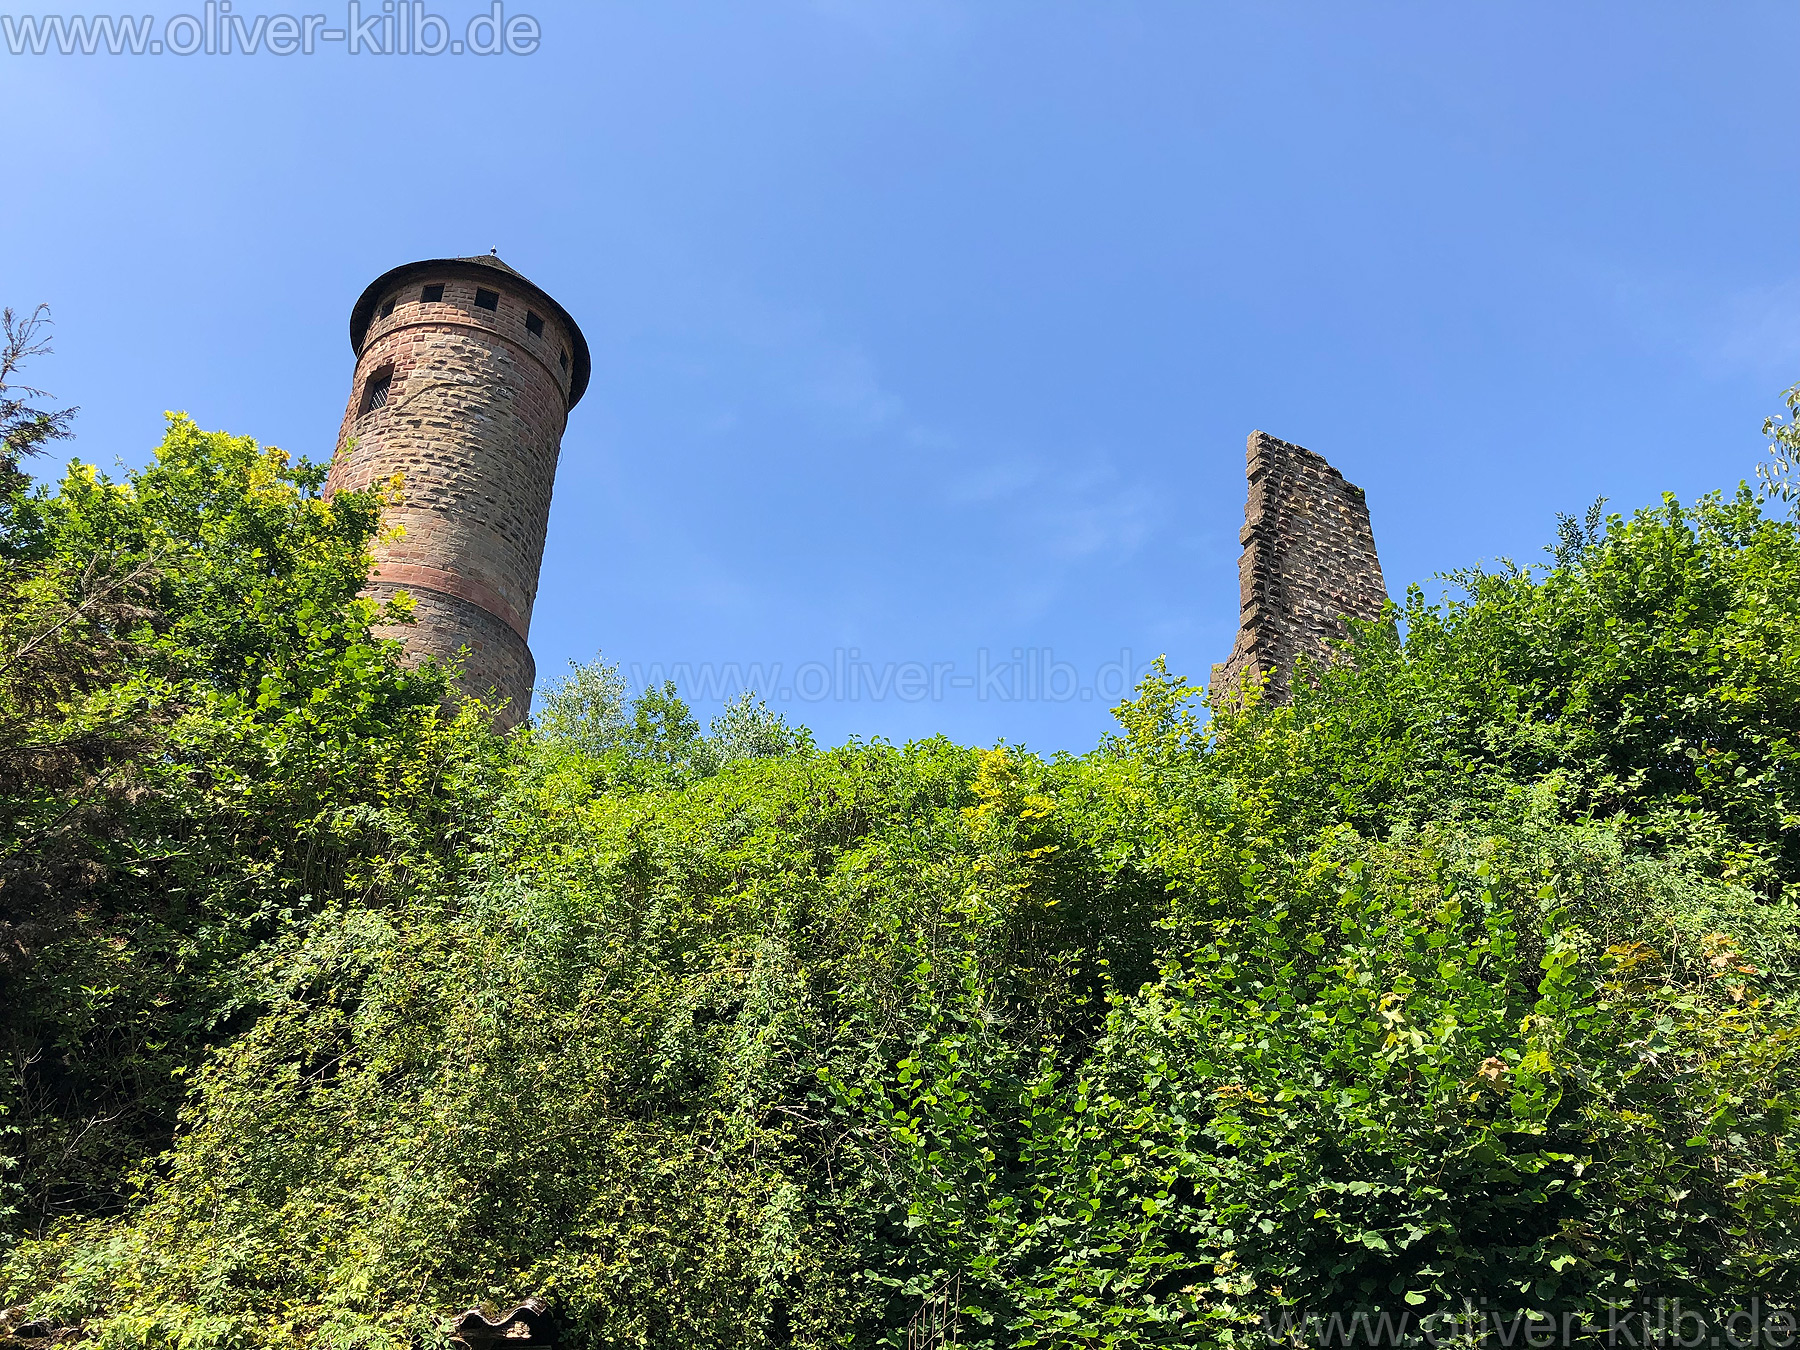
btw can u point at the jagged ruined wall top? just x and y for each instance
(1309, 561)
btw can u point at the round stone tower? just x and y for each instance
(465, 374)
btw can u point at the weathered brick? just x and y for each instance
(1308, 563)
(473, 423)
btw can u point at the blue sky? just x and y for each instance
(927, 330)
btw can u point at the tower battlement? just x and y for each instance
(465, 375)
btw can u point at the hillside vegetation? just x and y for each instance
(328, 1012)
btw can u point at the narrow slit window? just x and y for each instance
(533, 324)
(432, 295)
(388, 307)
(375, 392)
(564, 357)
(487, 299)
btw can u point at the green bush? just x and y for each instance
(198, 742)
(1464, 977)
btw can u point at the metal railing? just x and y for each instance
(939, 1318)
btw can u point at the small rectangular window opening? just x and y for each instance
(432, 295)
(375, 392)
(533, 324)
(564, 357)
(388, 307)
(487, 299)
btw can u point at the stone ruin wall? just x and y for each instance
(1308, 562)
(473, 417)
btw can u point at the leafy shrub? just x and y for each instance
(1464, 977)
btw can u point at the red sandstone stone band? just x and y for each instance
(413, 577)
(465, 375)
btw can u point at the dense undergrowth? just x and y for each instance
(327, 1012)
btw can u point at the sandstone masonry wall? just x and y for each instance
(1309, 561)
(474, 411)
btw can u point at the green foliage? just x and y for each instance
(198, 740)
(1776, 477)
(1379, 1104)
(1464, 976)
(1653, 677)
(26, 427)
(654, 738)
